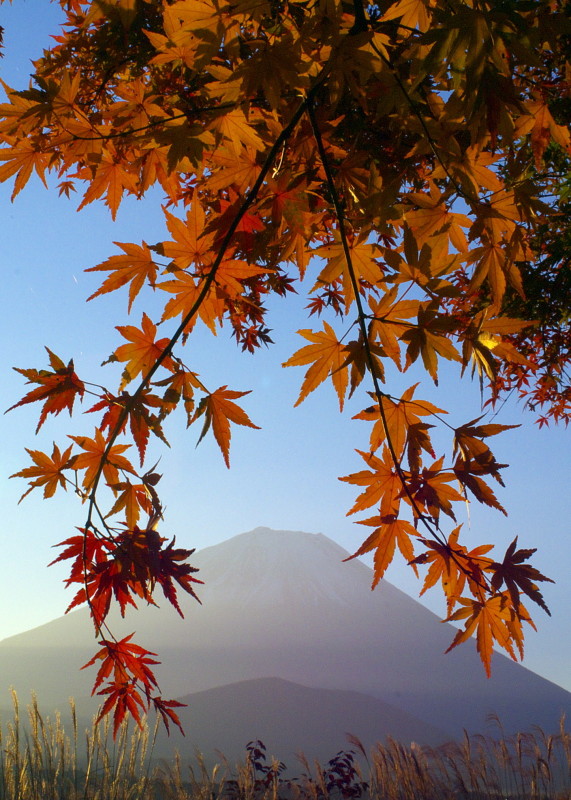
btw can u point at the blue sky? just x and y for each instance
(283, 476)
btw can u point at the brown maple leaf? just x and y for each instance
(519, 577)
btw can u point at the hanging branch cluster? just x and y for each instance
(406, 164)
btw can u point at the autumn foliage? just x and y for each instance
(404, 163)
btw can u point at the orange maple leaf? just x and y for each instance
(134, 498)
(237, 131)
(382, 481)
(190, 244)
(431, 490)
(110, 178)
(219, 410)
(136, 411)
(327, 356)
(364, 258)
(453, 564)
(389, 321)
(93, 459)
(543, 128)
(427, 340)
(48, 471)
(135, 267)
(389, 531)
(22, 159)
(399, 416)
(58, 388)
(179, 386)
(186, 290)
(489, 620)
(143, 352)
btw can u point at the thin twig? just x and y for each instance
(432, 527)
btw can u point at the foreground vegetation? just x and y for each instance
(40, 760)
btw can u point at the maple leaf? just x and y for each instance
(250, 222)
(134, 498)
(112, 578)
(129, 665)
(364, 261)
(467, 437)
(110, 177)
(134, 410)
(540, 123)
(125, 660)
(412, 13)
(489, 620)
(418, 440)
(389, 321)
(142, 352)
(100, 458)
(136, 267)
(426, 340)
(179, 386)
(219, 410)
(190, 245)
(237, 131)
(240, 172)
(327, 356)
(491, 265)
(383, 484)
(433, 217)
(468, 473)
(138, 107)
(168, 569)
(178, 47)
(397, 420)
(58, 388)
(85, 549)
(142, 562)
(483, 343)
(389, 531)
(187, 290)
(431, 491)
(518, 576)
(22, 159)
(165, 709)
(124, 699)
(452, 564)
(232, 274)
(48, 471)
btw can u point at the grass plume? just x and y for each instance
(42, 760)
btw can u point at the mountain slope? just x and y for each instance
(283, 604)
(289, 719)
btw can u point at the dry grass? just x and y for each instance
(39, 760)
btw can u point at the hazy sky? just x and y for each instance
(284, 476)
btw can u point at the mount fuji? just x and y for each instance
(290, 645)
